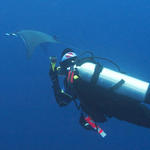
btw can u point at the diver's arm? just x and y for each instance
(62, 98)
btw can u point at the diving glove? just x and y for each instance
(53, 70)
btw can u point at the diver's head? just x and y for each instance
(68, 58)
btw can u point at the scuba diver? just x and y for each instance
(102, 92)
(68, 94)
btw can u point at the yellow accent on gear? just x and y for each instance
(53, 66)
(58, 68)
(75, 77)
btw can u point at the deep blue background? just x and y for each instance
(30, 119)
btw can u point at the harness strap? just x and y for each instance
(147, 97)
(98, 69)
(72, 75)
(68, 78)
(117, 85)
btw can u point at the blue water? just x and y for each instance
(30, 119)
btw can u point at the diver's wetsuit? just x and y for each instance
(64, 97)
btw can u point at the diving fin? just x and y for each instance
(95, 127)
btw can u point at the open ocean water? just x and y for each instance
(30, 119)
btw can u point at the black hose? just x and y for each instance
(109, 60)
(87, 52)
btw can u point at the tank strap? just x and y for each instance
(147, 97)
(98, 69)
(117, 85)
